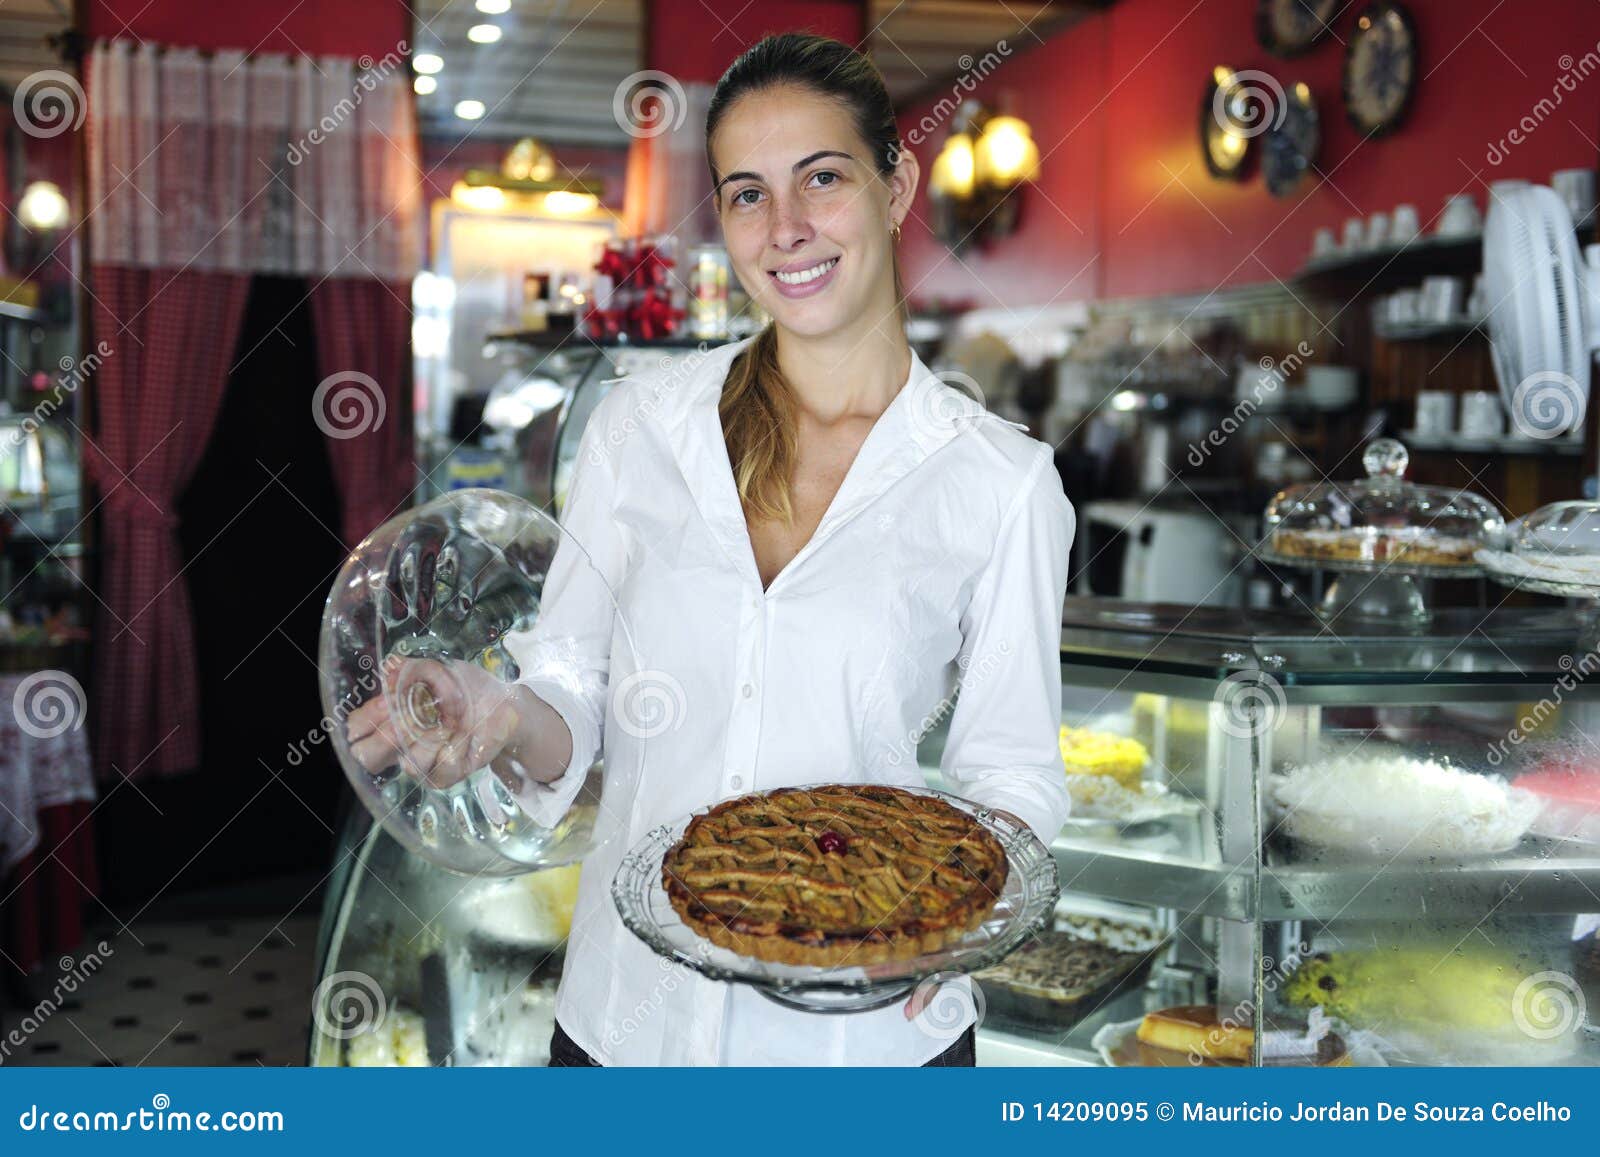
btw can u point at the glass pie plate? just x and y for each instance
(1555, 550)
(1025, 906)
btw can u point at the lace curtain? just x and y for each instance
(266, 164)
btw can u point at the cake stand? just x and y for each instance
(1372, 591)
(1025, 906)
(1510, 570)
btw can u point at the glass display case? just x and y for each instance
(1288, 846)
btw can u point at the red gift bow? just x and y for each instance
(653, 316)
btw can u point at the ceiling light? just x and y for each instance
(470, 110)
(424, 85)
(562, 203)
(483, 33)
(493, 7)
(427, 63)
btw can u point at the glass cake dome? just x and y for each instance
(419, 662)
(1382, 526)
(1564, 530)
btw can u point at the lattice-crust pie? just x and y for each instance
(844, 874)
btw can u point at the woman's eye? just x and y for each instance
(739, 197)
(833, 178)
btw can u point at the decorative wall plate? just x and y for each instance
(1380, 68)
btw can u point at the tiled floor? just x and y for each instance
(231, 992)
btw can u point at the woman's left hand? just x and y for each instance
(923, 994)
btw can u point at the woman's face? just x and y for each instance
(798, 195)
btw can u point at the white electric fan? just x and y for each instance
(1544, 310)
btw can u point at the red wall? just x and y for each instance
(696, 40)
(315, 27)
(1124, 205)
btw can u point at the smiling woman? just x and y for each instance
(811, 183)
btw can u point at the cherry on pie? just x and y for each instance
(844, 874)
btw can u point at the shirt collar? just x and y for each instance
(925, 414)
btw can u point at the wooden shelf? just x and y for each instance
(1392, 264)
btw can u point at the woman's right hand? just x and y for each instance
(459, 718)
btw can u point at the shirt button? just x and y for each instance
(735, 782)
(747, 690)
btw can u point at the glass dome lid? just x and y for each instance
(436, 638)
(1381, 520)
(1567, 530)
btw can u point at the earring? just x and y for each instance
(894, 231)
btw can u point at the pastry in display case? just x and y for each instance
(1381, 533)
(1368, 855)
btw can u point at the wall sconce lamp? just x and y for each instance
(1225, 128)
(974, 180)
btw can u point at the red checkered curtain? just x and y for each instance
(363, 333)
(205, 170)
(171, 337)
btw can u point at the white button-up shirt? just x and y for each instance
(941, 559)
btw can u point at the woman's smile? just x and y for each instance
(805, 281)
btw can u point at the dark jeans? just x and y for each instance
(565, 1053)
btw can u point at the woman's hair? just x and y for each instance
(757, 409)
